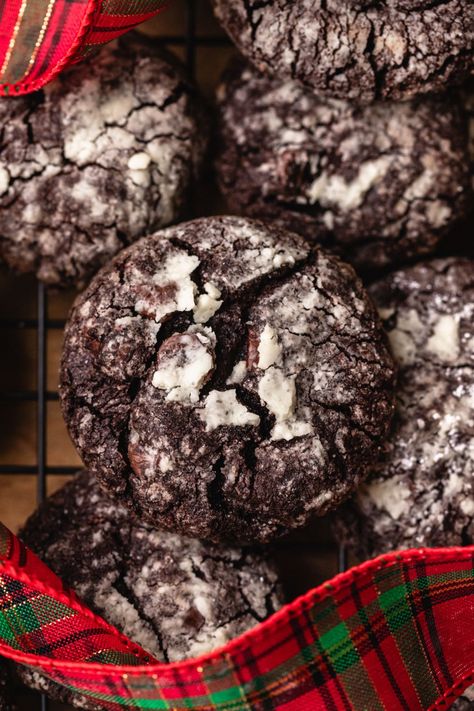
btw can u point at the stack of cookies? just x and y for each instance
(349, 123)
(227, 379)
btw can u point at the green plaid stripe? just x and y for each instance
(354, 675)
(396, 601)
(372, 642)
(224, 687)
(23, 617)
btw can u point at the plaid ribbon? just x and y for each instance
(39, 38)
(394, 633)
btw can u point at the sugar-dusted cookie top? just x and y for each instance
(175, 597)
(380, 184)
(355, 49)
(226, 379)
(102, 156)
(421, 492)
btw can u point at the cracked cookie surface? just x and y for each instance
(355, 50)
(226, 379)
(175, 597)
(380, 184)
(422, 490)
(101, 157)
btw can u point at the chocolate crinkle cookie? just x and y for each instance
(102, 156)
(175, 597)
(355, 49)
(380, 184)
(6, 694)
(421, 493)
(226, 379)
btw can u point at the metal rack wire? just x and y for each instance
(189, 40)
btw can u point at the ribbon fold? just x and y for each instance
(40, 38)
(393, 633)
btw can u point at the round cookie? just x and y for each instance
(6, 699)
(175, 597)
(102, 156)
(355, 50)
(226, 379)
(379, 184)
(421, 493)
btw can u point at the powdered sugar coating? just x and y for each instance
(222, 409)
(422, 491)
(381, 50)
(289, 398)
(103, 156)
(176, 597)
(185, 362)
(379, 184)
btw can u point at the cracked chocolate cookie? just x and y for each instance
(355, 50)
(101, 157)
(6, 699)
(379, 184)
(226, 379)
(175, 597)
(422, 490)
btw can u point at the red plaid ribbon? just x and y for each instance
(39, 38)
(393, 633)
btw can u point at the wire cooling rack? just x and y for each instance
(189, 41)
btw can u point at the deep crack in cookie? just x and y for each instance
(226, 379)
(355, 50)
(101, 157)
(175, 597)
(380, 184)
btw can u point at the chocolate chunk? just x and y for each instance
(236, 417)
(380, 185)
